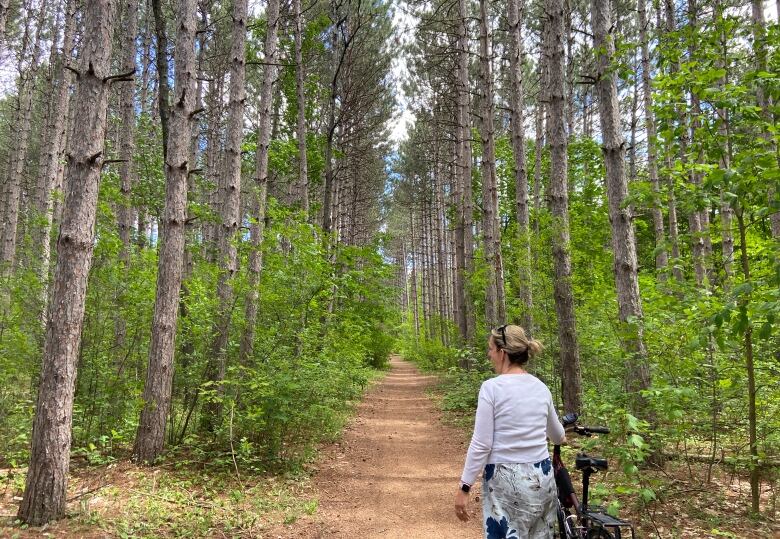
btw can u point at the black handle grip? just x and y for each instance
(597, 430)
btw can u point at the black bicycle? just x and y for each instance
(581, 520)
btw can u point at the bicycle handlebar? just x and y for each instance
(571, 419)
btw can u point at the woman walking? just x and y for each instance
(515, 416)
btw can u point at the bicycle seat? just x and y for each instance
(583, 461)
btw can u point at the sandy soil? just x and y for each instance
(394, 473)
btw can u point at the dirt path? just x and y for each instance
(394, 473)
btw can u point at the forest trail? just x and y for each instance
(394, 472)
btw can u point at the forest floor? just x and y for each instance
(392, 475)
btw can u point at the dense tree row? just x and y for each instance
(210, 178)
(557, 144)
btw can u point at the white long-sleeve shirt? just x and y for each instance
(515, 415)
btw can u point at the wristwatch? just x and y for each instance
(465, 488)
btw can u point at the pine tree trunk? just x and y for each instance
(620, 213)
(755, 478)
(441, 244)
(571, 378)
(414, 302)
(699, 219)
(214, 104)
(230, 202)
(30, 53)
(4, 5)
(329, 187)
(161, 59)
(495, 303)
(464, 162)
(55, 148)
(674, 241)
(459, 277)
(303, 174)
(126, 147)
(46, 484)
(760, 51)
(724, 132)
(257, 227)
(632, 127)
(538, 149)
(159, 375)
(518, 147)
(661, 256)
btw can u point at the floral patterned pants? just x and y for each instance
(518, 500)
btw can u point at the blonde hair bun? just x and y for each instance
(514, 340)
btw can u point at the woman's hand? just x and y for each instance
(461, 500)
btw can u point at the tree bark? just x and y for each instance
(661, 256)
(538, 149)
(28, 69)
(724, 132)
(4, 6)
(620, 213)
(674, 241)
(698, 220)
(760, 54)
(571, 378)
(495, 303)
(230, 206)
(52, 156)
(466, 210)
(518, 147)
(161, 59)
(260, 181)
(303, 173)
(415, 306)
(159, 375)
(755, 478)
(46, 484)
(126, 148)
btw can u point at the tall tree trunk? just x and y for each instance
(126, 147)
(215, 107)
(161, 59)
(632, 126)
(29, 55)
(661, 256)
(674, 241)
(414, 303)
(755, 478)
(698, 220)
(303, 174)
(571, 378)
(459, 277)
(55, 148)
(159, 375)
(466, 210)
(495, 303)
(4, 7)
(329, 187)
(260, 181)
(518, 147)
(620, 213)
(441, 244)
(760, 52)
(724, 132)
(46, 484)
(538, 149)
(231, 206)
(569, 95)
